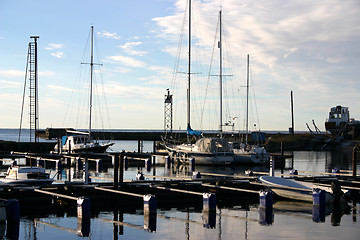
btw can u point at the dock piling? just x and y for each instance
(150, 203)
(167, 161)
(116, 169)
(356, 149)
(272, 166)
(266, 199)
(148, 164)
(209, 202)
(192, 164)
(126, 163)
(83, 207)
(196, 175)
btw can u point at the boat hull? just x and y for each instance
(221, 158)
(29, 182)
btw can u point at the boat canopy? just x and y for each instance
(213, 145)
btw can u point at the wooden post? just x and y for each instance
(121, 167)
(139, 145)
(354, 160)
(116, 169)
(154, 147)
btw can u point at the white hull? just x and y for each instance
(32, 176)
(183, 152)
(257, 155)
(292, 189)
(30, 182)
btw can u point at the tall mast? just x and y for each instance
(91, 78)
(247, 99)
(220, 77)
(189, 69)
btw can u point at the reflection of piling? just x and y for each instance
(356, 149)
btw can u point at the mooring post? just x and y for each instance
(167, 161)
(83, 207)
(140, 176)
(86, 171)
(266, 199)
(354, 160)
(196, 175)
(154, 147)
(126, 163)
(58, 165)
(319, 205)
(39, 162)
(192, 164)
(153, 160)
(148, 164)
(150, 203)
(78, 164)
(116, 169)
(272, 166)
(12, 207)
(139, 146)
(209, 202)
(121, 167)
(99, 165)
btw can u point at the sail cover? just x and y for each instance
(191, 132)
(213, 145)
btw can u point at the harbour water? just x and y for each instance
(239, 220)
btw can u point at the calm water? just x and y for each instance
(290, 220)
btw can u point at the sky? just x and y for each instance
(309, 47)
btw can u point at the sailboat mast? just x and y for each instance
(220, 76)
(189, 69)
(247, 100)
(91, 78)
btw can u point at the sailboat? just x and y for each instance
(206, 151)
(250, 154)
(77, 141)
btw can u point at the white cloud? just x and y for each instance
(335, 60)
(106, 34)
(9, 84)
(58, 54)
(57, 87)
(53, 46)
(127, 61)
(128, 47)
(12, 73)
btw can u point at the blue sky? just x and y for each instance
(309, 47)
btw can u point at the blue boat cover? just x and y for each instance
(193, 132)
(63, 139)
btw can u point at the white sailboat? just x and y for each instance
(250, 154)
(76, 141)
(205, 150)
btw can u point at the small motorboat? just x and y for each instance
(25, 175)
(295, 190)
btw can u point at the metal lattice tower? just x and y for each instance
(168, 113)
(33, 87)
